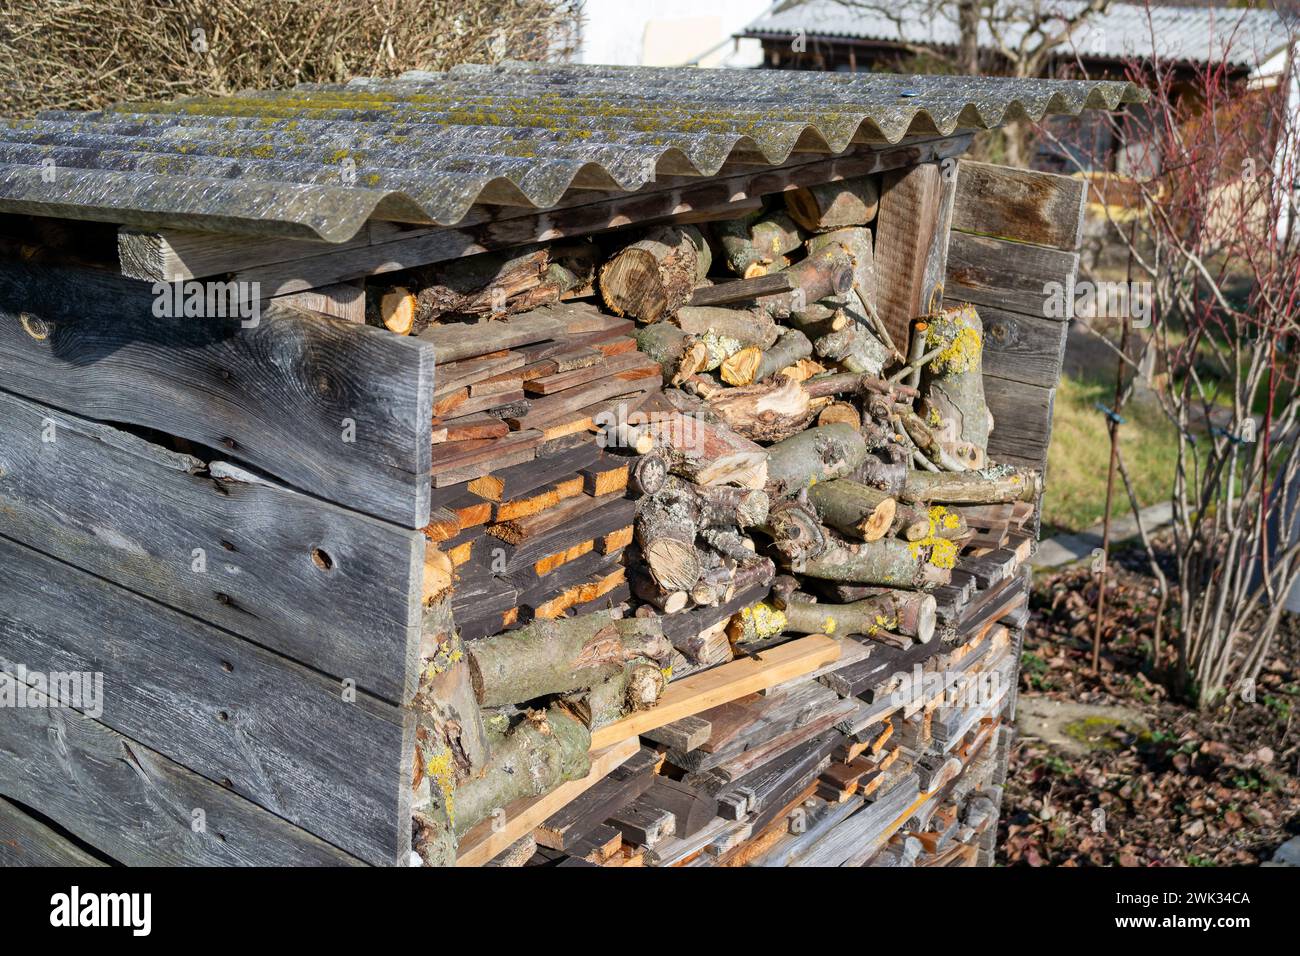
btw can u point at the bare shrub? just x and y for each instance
(85, 54)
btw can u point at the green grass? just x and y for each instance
(1080, 455)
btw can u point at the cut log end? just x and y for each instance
(397, 307)
(674, 564)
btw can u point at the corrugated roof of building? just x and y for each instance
(318, 160)
(1245, 38)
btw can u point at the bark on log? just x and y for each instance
(795, 531)
(752, 244)
(655, 276)
(722, 507)
(944, 456)
(857, 243)
(887, 561)
(637, 687)
(648, 474)
(496, 283)
(886, 475)
(747, 326)
(536, 756)
(815, 455)
(853, 508)
(559, 656)
(996, 485)
(667, 345)
(911, 613)
(826, 272)
(856, 349)
(850, 202)
(818, 319)
(728, 543)
(666, 525)
(953, 382)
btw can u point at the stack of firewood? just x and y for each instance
(663, 452)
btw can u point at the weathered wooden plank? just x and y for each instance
(1022, 420)
(1021, 205)
(340, 410)
(1013, 276)
(1022, 348)
(318, 753)
(911, 244)
(25, 841)
(138, 807)
(293, 573)
(714, 196)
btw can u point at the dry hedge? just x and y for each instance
(74, 54)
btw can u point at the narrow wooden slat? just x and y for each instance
(699, 692)
(25, 841)
(316, 752)
(490, 838)
(1022, 420)
(339, 410)
(1021, 205)
(136, 806)
(290, 572)
(1012, 276)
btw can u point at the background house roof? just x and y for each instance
(1195, 35)
(318, 160)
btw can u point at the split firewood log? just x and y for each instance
(494, 283)
(953, 383)
(853, 508)
(850, 202)
(910, 613)
(753, 244)
(536, 756)
(995, 485)
(573, 265)
(708, 452)
(815, 455)
(558, 656)
(753, 364)
(767, 411)
(397, 309)
(887, 561)
(652, 278)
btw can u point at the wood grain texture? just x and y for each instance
(26, 841)
(293, 573)
(1022, 348)
(279, 396)
(287, 738)
(1022, 420)
(1011, 276)
(136, 806)
(1021, 205)
(911, 244)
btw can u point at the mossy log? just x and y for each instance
(559, 656)
(996, 485)
(943, 455)
(952, 384)
(911, 613)
(753, 364)
(856, 242)
(723, 507)
(653, 277)
(853, 508)
(667, 345)
(536, 756)
(849, 202)
(815, 455)
(888, 561)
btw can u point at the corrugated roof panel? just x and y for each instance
(1245, 38)
(318, 160)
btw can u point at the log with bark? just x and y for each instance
(559, 656)
(952, 383)
(815, 455)
(491, 284)
(752, 364)
(999, 483)
(854, 508)
(652, 278)
(751, 245)
(849, 202)
(768, 411)
(887, 561)
(910, 613)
